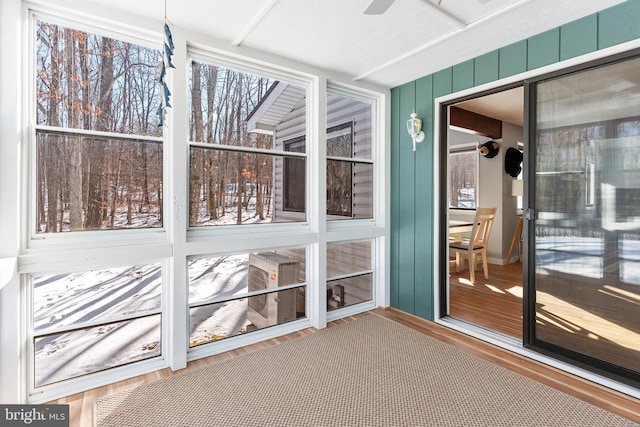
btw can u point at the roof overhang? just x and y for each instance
(273, 107)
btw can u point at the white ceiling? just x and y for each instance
(506, 106)
(411, 39)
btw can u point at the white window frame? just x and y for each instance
(67, 252)
(466, 148)
(40, 241)
(174, 243)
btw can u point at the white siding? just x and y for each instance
(340, 110)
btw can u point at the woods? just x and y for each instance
(96, 99)
(462, 176)
(99, 152)
(97, 168)
(228, 183)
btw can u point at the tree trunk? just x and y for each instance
(74, 143)
(197, 133)
(212, 203)
(96, 190)
(52, 142)
(240, 189)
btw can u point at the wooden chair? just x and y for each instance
(477, 243)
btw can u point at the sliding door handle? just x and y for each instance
(530, 215)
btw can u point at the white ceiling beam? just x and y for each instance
(439, 39)
(254, 23)
(377, 7)
(446, 15)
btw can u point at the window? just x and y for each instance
(237, 294)
(98, 156)
(88, 321)
(349, 274)
(294, 173)
(463, 170)
(349, 157)
(340, 172)
(239, 124)
(102, 268)
(98, 147)
(349, 164)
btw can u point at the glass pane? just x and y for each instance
(348, 258)
(231, 107)
(75, 353)
(294, 177)
(217, 321)
(63, 300)
(349, 190)
(89, 183)
(587, 234)
(349, 291)
(462, 178)
(228, 276)
(349, 135)
(339, 188)
(349, 130)
(238, 188)
(87, 81)
(340, 141)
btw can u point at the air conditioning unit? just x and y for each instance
(270, 270)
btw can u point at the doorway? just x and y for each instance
(478, 181)
(579, 299)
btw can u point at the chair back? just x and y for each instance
(481, 227)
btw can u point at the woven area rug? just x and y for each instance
(367, 372)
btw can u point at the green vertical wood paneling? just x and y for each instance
(619, 24)
(395, 195)
(424, 203)
(406, 205)
(543, 49)
(442, 82)
(412, 183)
(463, 76)
(513, 59)
(486, 67)
(579, 37)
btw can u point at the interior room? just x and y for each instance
(191, 185)
(481, 180)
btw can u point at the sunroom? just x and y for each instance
(180, 179)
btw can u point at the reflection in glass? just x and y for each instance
(587, 199)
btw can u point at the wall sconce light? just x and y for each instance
(414, 127)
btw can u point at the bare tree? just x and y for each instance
(95, 207)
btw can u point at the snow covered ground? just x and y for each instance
(102, 297)
(219, 278)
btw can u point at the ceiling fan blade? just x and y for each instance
(378, 7)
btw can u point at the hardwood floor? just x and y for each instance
(494, 303)
(81, 404)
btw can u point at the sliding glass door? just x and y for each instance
(584, 218)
